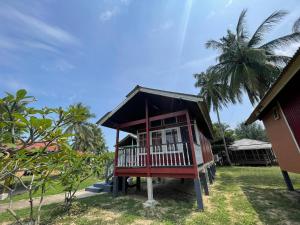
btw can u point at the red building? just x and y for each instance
(172, 138)
(280, 112)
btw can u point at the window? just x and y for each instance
(156, 123)
(156, 141)
(172, 139)
(169, 121)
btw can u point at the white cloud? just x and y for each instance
(108, 14)
(37, 27)
(228, 3)
(61, 65)
(40, 46)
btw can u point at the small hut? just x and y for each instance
(251, 152)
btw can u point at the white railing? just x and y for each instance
(170, 155)
(165, 155)
(132, 157)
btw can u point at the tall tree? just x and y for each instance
(216, 95)
(253, 131)
(86, 136)
(246, 63)
(94, 142)
(79, 126)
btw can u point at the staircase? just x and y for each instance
(100, 187)
(104, 186)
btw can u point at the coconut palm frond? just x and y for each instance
(282, 41)
(296, 26)
(214, 45)
(241, 25)
(266, 25)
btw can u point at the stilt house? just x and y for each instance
(172, 131)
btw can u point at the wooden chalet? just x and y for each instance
(172, 138)
(279, 110)
(251, 152)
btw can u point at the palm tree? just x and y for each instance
(78, 125)
(246, 63)
(216, 95)
(93, 142)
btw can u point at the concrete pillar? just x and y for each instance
(150, 202)
(199, 199)
(203, 178)
(209, 175)
(115, 186)
(287, 180)
(138, 184)
(124, 185)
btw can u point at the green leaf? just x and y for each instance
(21, 94)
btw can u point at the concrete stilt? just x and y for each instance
(150, 202)
(203, 178)
(124, 185)
(197, 186)
(115, 186)
(209, 175)
(287, 180)
(138, 184)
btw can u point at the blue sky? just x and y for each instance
(96, 51)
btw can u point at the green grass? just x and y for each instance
(55, 188)
(240, 195)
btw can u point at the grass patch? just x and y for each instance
(240, 195)
(55, 188)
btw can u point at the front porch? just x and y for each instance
(164, 150)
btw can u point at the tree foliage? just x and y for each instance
(22, 126)
(86, 136)
(253, 131)
(248, 64)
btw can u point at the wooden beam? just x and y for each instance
(116, 150)
(192, 143)
(132, 123)
(159, 117)
(147, 137)
(167, 115)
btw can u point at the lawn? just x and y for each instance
(240, 195)
(52, 189)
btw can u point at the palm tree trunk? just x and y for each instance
(223, 137)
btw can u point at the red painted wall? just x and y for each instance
(206, 149)
(290, 104)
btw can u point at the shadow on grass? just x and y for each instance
(274, 206)
(176, 201)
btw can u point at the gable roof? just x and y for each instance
(249, 144)
(286, 75)
(176, 95)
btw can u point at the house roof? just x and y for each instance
(198, 102)
(286, 75)
(127, 138)
(249, 144)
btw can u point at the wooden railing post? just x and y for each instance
(147, 137)
(117, 150)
